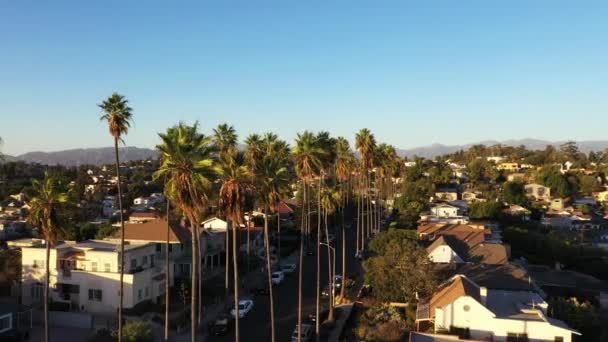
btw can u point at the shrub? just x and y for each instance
(137, 331)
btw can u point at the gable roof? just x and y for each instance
(489, 253)
(497, 277)
(155, 231)
(458, 286)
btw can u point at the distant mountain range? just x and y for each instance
(435, 150)
(85, 156)
(105, 155)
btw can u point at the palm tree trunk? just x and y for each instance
(301, 261)
(358, 223)
(330, 317)
(317, 323)
(269, 271)
(122, 242)
(279, 232)
(248, 242)
(167, 278)
(236, 282)
(227, 264)
(200, 281)
(193, 286)
(343, 254)
(47, 336)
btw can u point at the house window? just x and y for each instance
(158, 247)
(170, 248)
(139, 294)
(94, 266)
(144, 260)
(95, 295)
(6, 322)
(517, 337)
(558, 339)
(147, 292)
(152, 256)
(466, 308)
(38, 264)
(181, 246)
(133, 264)
(107, 267)
(161, 287)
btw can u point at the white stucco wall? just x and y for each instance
(484, 325)
(444, 254)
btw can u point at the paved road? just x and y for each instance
(256, 326)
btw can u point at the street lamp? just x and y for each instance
(332, 271)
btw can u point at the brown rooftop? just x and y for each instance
(155, 231)
(458, 287)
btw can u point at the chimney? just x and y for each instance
(483, 294)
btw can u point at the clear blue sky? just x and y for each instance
(445, 71)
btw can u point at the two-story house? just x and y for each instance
(85, 275)
(461, 307)
(538, 192)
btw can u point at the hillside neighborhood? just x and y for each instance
(514, 244)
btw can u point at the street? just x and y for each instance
(256, 325)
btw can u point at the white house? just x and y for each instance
(85, 275)
(141, 201)
(446, 210)
(441, 252)
(462, 307)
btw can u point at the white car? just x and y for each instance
(288, 268)
(245, 305)
(277, 277)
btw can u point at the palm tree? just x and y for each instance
(167, 272)
(272, 178)
(253, 152)
(366, 143)
(48, 196)
(345, 163)
(308, 162)
(235, 190)
(224, 138)
(118, 114)
(189, 168)
(330, 201)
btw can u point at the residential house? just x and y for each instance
(142, 217)
(471, 196)
(462, 307)
(446, 194)
(446, 210)
(510, 167)
(497, 159)
(140, 201)
(85, 275)
(448, 248)
(538, 192)
(518, 211)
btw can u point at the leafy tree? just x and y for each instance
(515, 193)
(410, 274)
(105, 231)
(589, 184)
(569, 151)
(380, 243)
(137, 331)
(560, 185)
(485, 210)
(581, 316)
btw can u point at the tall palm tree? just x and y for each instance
(308, 163)
(48, 196)
(253, 152)
(345, 164)
(272, 178)
(330, 201)
(224, 138)
(366, 143)
(118, 114)
(188, 167)
(234, 193)
(167, 272)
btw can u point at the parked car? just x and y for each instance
(307, 333)
(338, 281)
(288, 268)
(221, 326)
(277, 277)
(245, 305)
(323, 316)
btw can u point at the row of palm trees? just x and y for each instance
(209, 174)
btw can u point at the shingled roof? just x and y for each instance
(155, 231)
